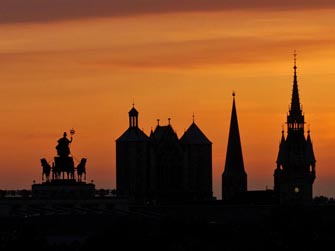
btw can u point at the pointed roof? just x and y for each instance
(194, 135)
(310, 157)
(234, 157)
(133, 134)
(295, 101)
(133, 112)
(281, 158)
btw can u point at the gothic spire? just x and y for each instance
(234, 177)
(234, 157)
(295, 171)
(295, 103)
(295, 118)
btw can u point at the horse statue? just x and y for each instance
(81, 169)
(63, 165)
(46, 169)
(55, 171)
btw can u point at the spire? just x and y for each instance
(295, 103)
(295, 171)
(295, 118)
(234, 157)
(234, 177)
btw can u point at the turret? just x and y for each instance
(133, 117)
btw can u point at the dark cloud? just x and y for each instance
(12, 11)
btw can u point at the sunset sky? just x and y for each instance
(80, 64)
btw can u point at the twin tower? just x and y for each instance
(164, 168)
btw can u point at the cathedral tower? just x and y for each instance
(198, 163)
(295, 172)
(132, 161)
(166, 161)
(234, 177)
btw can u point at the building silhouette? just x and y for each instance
(132, 161)
(163, 167)
(167, 164)
(198, 163)
(295, 172)
(234, 177)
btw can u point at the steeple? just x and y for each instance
(234, 177)
(295, 118)
(295, 104)
(234, 157)
(295, 171)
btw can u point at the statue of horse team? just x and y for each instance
(63, 163)
(62, 166)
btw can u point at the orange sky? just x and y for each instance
(84, 72)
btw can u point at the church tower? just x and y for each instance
(132, 161)
(166, 161)
(198, 163)
(295, 172)
(234, 177)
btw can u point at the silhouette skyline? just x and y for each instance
(164, 167)
(67, 214)
(173, 65)
(63, 143)
(81, 64)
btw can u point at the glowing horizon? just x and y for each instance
(83, 72)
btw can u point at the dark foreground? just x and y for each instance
(106, 225)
